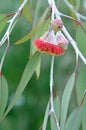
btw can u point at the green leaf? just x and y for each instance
(75, 3)
(65, 100)
(32, 32)
(38, 7)
(80, 88)
(3, 94)
(32, 51)
(27, 74)
(74, 120)
(57, 107)
(81, 39)
(2, 22)
(78, 3)
(26, 12)
(72, 2)
(38, 69)
(46, 117)
(57, 111)
(53, 123)
(41, 30)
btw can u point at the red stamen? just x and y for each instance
(48, 47)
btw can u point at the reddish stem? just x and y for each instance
(82, 99)
(78, 22)
(9, 15)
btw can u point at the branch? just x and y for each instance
(78, 15)
(71, 40)
(52, 110)
(83, 97)
(75, 20)
(4, 54)
(12, 23)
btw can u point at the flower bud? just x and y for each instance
(56, 24)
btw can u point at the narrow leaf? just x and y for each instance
(3, 94)
(74, 120)
(40, 31)
(57, 107)
(57, 111)
(31, 33)
(46, 117)
(38, 69)
(80, 88)
(27, 74)
(53, 123)
(38, 7)
(78, 3)
(65, 100)
(2, 22)
(81, 40)
(26, 12)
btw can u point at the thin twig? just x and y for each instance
(81, 16)
(78, 22)
(56, 121)
(71, 40)
(52, 110)
(11, 23)
(4, 54)
(74, 44)
(78, 15)
(69, 5)
(84, 95)
(51, 82)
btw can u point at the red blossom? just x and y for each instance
(51, 44)
(48, 48)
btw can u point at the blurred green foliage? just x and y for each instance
(29, 110)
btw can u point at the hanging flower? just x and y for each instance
(49, 44)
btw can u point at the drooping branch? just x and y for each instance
(12, 23)
(71, 40)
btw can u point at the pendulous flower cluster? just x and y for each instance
(53, 42)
